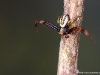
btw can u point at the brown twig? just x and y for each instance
(68, 52)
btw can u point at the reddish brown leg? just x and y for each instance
(85, 32)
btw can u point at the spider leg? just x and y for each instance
(48, 24)
(58, 20)
(71, 21)
(85, 32)
(41, 22)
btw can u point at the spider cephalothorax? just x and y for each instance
(66, 26)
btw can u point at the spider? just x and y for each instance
(66, 26)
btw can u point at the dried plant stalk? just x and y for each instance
(68, 53)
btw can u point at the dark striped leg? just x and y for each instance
(48, 24)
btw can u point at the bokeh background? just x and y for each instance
(23, 51)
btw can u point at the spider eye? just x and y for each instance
(64, 20)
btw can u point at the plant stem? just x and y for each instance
(68, 52)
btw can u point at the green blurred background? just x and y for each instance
(23, 51)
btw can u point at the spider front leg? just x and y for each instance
(39, 21)
(48, 24)
(58, 20)
(71, 21)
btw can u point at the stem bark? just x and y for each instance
(68, 51)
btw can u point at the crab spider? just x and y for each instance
(66, 26)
